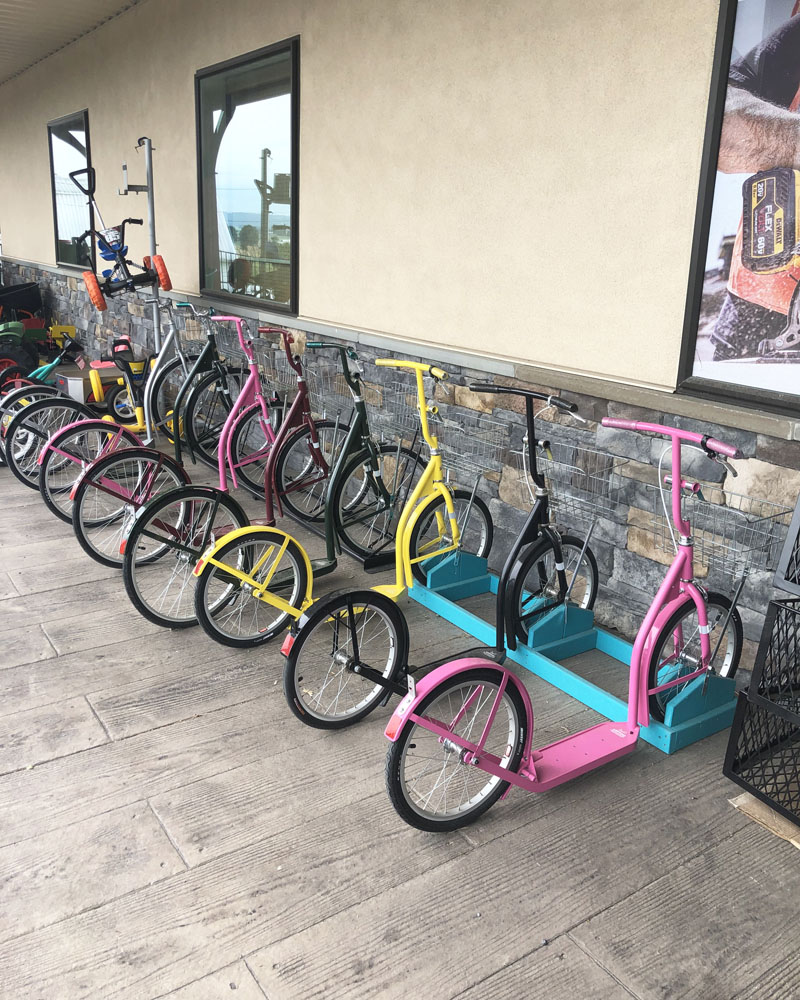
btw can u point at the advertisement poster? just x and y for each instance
(747, 331)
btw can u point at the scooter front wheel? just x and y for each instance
(430, 781)
(675, 651)
(234, 586)
(321, 679)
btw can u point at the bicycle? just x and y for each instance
(240, 586)
(166, 539)
(110, 490)
(462, 736)
(330, 680)
(112, 248)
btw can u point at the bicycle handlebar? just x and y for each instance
(707, 443)
(557, 401)
(418, 366)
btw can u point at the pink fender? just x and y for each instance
(690, 593)
(408, 705)
(112, 428)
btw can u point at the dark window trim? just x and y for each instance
(293, 46)
(687, 383)
(50, 125)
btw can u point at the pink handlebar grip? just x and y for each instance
(673, 432)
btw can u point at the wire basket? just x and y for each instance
(732, 533)
(327, 389)
(475, 445)
(192, 334)
(394, 411)
(228, 346)
(583, 484)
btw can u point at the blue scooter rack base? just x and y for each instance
(568, 631)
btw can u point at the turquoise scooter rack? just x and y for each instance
(584, 485)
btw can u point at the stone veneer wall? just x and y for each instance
(631, 567)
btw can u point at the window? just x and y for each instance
(68, 139)
(247, 127)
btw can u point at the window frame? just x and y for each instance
(688, 384)
(84, 112)
(292, 46)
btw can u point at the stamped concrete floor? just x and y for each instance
(168, 829)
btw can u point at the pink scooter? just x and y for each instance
(463, 734)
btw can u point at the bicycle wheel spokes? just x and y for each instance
(437, 783)
(30, 436)
(301, 479)
(232, 600)
(65, 464)
(367, 518)
(108, 497)
(163, 548)
(326, 684)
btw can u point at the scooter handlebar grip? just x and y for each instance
(724, 449)
(624, 425)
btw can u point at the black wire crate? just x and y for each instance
(775, 684)
(763, 756)
(787, 576)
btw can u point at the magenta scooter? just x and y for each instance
(463, 735)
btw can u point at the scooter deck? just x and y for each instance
(565, 759)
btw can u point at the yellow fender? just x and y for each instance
(283, 539)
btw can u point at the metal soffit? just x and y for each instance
(32, 30)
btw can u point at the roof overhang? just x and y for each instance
(32, 30)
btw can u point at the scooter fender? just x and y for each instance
(212, 550)
(408, 706)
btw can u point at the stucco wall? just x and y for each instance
(515, 178)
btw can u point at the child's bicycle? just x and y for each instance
(124, 275)
(351, 651)
(463, 735)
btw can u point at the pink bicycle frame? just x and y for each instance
(251, 398)
(677, 587)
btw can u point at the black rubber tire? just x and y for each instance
(253, 639)
(14, 400)
(295, 684)
(17, 354)
(281, 485)
(538, 551)
(355, 463)
(119, 404)
(460, 496)
(45, 469)
(101, 468)
(395, 758)
(161, 420)
(713, 601)
(203, 445)
(191, 549)
(40, 419)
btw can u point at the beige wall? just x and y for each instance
(515, 178)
